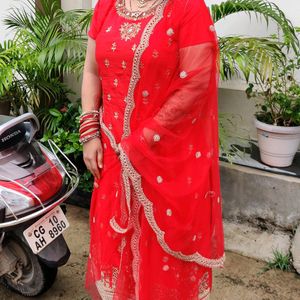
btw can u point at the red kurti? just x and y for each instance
(156, 219)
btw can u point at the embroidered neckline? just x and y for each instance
(135, 15)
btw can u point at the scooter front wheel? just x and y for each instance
(31, 277)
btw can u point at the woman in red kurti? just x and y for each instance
(156, 214)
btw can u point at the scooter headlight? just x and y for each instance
(14, 201)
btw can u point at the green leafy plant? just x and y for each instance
(13, 60)
(250, 55)
(280, 261)
(63, 129)
(86, 182)
(63, 132)
(280, 95)
(233, 140)
(7, 62)
(58, 38)
(38, 69)
(22, 80)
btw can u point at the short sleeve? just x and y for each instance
(95, 23)
(197, 25)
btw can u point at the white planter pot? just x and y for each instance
(277, 144)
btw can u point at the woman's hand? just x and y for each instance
(93, 156)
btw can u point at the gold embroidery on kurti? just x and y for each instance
(108, 29)
(145, 93)
(106, 286)
(168, 72)
(135, 76)
(204, 289)
(210, 194)
(145, 101)
(135, 243)
(106, 63)
(155, 54)
(134, 15)
(114, 46)
(129, 30)
(170, 32)
(124, 64)
(157, 86)
(133, 47)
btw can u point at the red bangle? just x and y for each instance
(88, 116)
(92, 131)
(87, 126)
(89, 137)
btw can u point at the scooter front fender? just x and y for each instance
(56, 254)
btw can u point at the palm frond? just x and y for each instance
(9, 56)
(261, 8)
(249, 55)
(48, 8)
(81, 17)
(57, 38)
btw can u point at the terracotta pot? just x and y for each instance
(277, 144)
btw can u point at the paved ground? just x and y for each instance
(241, 279)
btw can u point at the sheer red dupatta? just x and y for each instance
(172, 156)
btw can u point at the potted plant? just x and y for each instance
(42, 51)
(246, 56)
(278, 117)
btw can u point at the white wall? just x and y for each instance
(4, 7)
(234, 24)
(75, 4)
(71, 80)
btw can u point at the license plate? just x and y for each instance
(40, 234)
